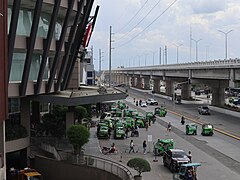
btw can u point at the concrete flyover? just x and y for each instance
(217, 74)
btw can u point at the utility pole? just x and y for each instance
(110, 56)
(190, 44)
(160, 56)
(100, 56)
(165, 54)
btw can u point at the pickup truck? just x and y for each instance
(151, 101)
(173, 158)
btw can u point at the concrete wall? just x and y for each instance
(52, 169)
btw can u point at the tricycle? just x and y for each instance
(207, 129)
(162, 145)
(187, 171)
(191, 129)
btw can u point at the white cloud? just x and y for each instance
(206, 17)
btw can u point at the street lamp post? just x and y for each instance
(226, 34)
(177, 46)
(196, 41)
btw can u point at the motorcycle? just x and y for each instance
(109, 150)
(134, 133)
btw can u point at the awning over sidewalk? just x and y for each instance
(86, 95)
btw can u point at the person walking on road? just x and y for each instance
(190, 156)
(182, 120)
(144, 147)
(131, 147)
(169, 127)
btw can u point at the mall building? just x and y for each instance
(42, 46)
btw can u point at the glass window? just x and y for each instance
(89, 74)
(17, 66)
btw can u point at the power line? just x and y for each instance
(132, 17)
(148, 25)
(140, 20)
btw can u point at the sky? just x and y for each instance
(143, 29)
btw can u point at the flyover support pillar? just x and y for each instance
(139, 83)
(146, 83)
(169, 87)
(186, 91)
(156, 86)
(218, 96)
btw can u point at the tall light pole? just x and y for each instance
(196, 41)
(177, 46)
(110, 55)
(226, 34)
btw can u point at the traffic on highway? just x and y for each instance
(210, 142)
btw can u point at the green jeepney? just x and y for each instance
(129, 122)
(121, 105)
(149, 116)
(130, 113)
(140, 121)
(191, 129)
(160, 111)
(119, 132)
(163, 145)
(102, 131)
(207, 129)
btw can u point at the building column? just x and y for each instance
(70, 120)
(35, 112)
(156, 86)
(218, 96)
(2, 150)
(169, 88)
(26, 122)
(186, 91)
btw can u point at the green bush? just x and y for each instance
(140, 165)
(78, 135)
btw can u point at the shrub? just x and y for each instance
(140, 165)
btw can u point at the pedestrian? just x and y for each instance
(126, 132)
(190, 156)
(144, 147)
(146, 125)
(140, 102)
(134, 100)
(131, 146)
(169, 127)
(182, 120)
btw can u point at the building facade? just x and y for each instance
(44, 45)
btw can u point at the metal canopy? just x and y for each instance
(79, 97)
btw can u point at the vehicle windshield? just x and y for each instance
(205, 107)
(104, 128)
(179, 155)
(208, 126)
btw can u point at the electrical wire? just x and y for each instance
(132, 17)
(148, 25)
(140, 20)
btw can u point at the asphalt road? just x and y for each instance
(219, 154)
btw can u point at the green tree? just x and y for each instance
(78, 135)
(140, 165)
(81, 113)
(52, 125)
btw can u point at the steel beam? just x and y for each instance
(77, 44)
(30, 47)
(47, 44)
(68, 46)
(60, 45)
(12, 33)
